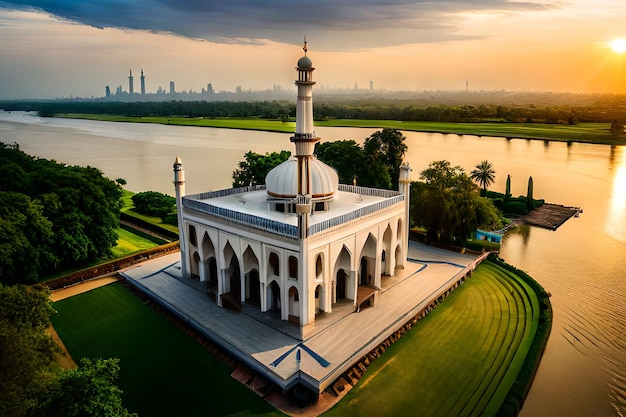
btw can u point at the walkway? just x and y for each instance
(337, 340)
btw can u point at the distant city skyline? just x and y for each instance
(55, 49)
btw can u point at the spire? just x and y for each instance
(304, 48)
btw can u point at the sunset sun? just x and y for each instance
(618, 45)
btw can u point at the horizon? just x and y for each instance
(53, 51)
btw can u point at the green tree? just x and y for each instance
(154, 203)
(27, 349)
(80, 204)
(530, 203)
(448, 205)
(26, 239)
(484, 175)
(386, 148)
(254, 168)
(346, 156)
(89, 390)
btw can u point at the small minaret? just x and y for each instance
(179, 185)
(143, 83)
(304, 137)
(130, 83)
(404, 187)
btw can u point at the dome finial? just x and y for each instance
(304, 48)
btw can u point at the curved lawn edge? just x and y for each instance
(516, 395)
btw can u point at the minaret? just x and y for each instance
(179, 184)
(143, 83)
(304, 137)
(130, 83)
(404, 186)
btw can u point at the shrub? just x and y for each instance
(154, 203)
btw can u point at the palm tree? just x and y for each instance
(484, 175)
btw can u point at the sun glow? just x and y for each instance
(618, 45)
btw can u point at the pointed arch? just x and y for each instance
(251, 277)
(232, 290)
(209, 260)
(195, 264)
(294, 305)
(342, 281)
(387, 264)
(367, 263)
(273, 297)
(320, 302)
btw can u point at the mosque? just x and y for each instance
(301, 245)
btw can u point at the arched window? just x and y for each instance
(192, 235)
(274, 264)
(293, 267)
(318, 266)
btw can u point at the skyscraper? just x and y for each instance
(172, 88)
(143, 83)
(130, 83)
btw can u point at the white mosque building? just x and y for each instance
(301, 244)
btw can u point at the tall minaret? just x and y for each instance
(130, 83)
(179, 185)
(143, 83)
(304, 137)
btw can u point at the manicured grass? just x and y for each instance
(129, 242)
(582, 132)
(461, 360)
(163, 371)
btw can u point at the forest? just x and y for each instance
(52, 216)
(436, 106)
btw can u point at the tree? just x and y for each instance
(447, 204)
(346, 156)
(530, 203)
(26, 239)
(387, 146)
(77, 207)
(254, 168)
(89, 390)
(507, 193)
(26, 362)
(154, 203)
(484, 175)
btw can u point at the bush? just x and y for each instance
(170, 219)
(154, 203)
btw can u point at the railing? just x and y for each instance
(354, 215)
(225, 192)
(243, 219)
(193, 202)
(376, 192)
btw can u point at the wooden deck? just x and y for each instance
(550, 216)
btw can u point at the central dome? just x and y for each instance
(282, 181)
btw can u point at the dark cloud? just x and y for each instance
(333, 24)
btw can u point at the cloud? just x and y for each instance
(334, 25)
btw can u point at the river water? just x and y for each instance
(582, 264)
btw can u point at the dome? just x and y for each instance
(305, 63)
(282, 181)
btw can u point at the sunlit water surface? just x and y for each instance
(582, 264)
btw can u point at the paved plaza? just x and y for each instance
(337, 340)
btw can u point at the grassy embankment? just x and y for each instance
(582, 132)
(462, 359)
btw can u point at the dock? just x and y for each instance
(551, 216)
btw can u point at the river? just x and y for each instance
(582, 264)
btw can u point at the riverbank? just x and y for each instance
(597, 133)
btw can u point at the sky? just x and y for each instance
(74, 48)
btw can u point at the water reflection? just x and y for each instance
(616, 217)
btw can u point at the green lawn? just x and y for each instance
(163, 371)
(460, 360)
(582, 132)
(129, 242)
